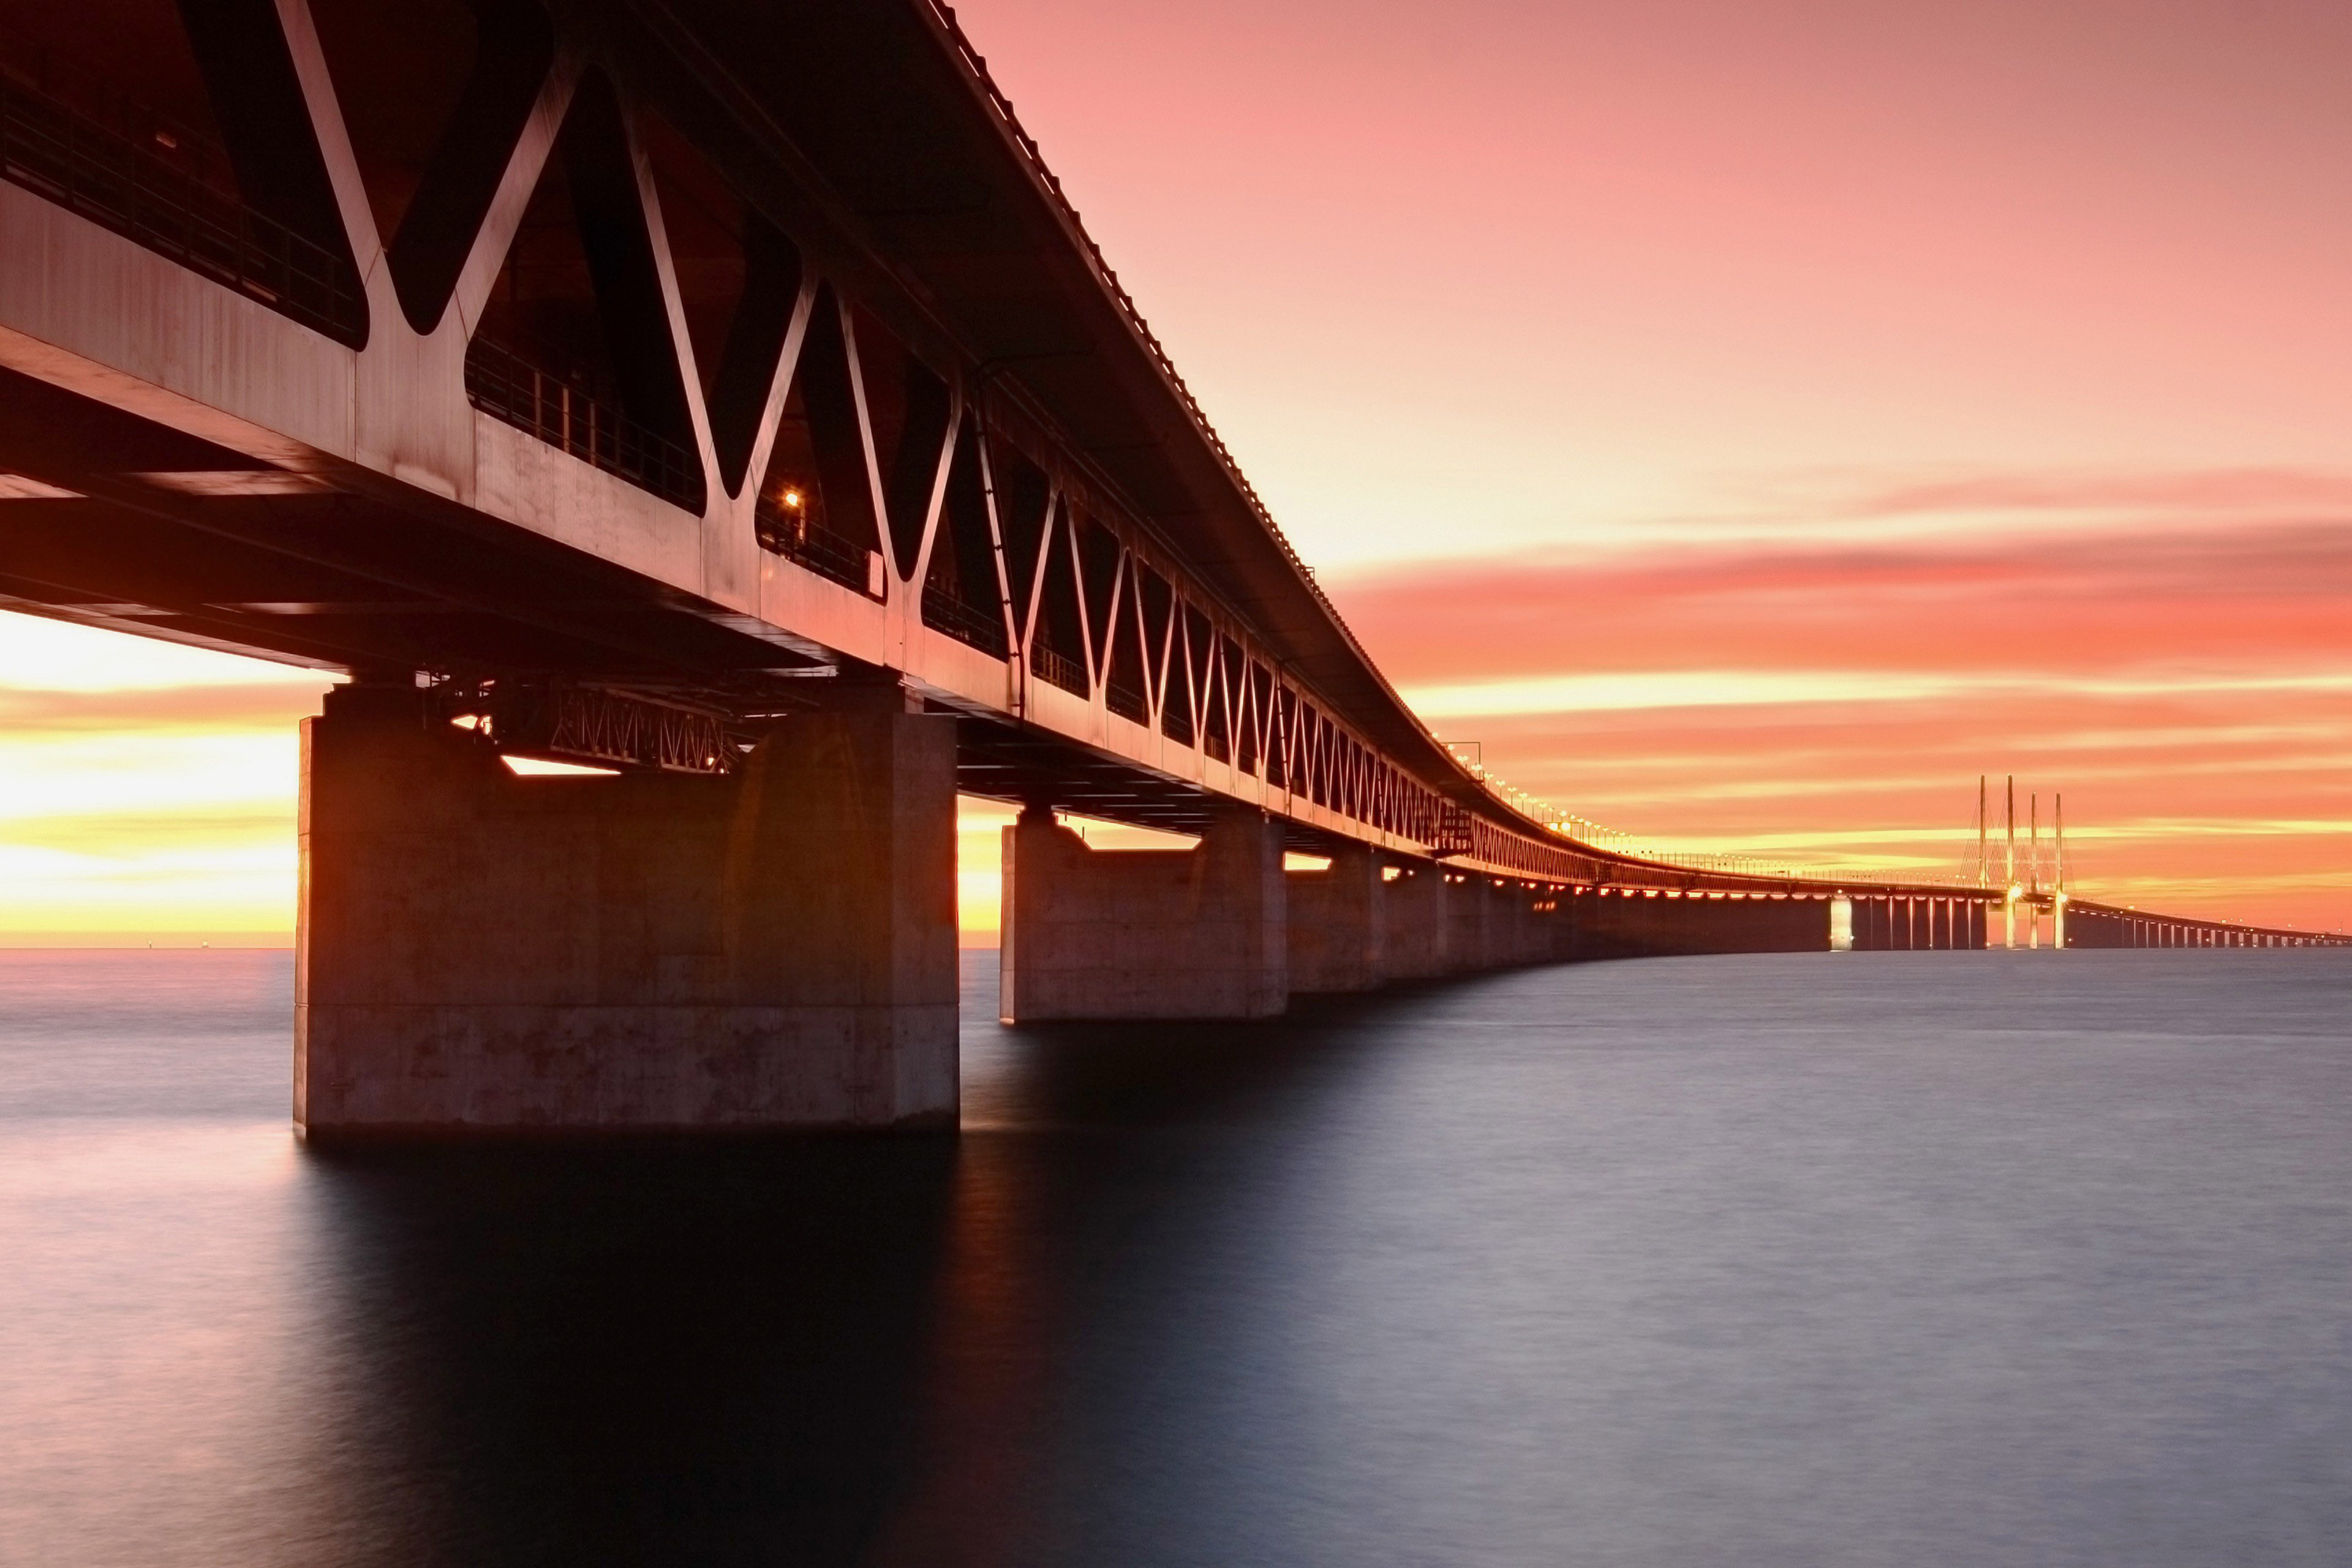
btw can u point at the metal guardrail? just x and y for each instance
(126, 183)
(1059, 669)
(581, 420)
(970, 624)
(1127, 702)
(816, 547)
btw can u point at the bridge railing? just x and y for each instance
(581, 420)
(808, 544)
(1049, 665)
(68, 136)
(968, 624)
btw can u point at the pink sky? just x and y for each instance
(1749, 423)
(1753, 423)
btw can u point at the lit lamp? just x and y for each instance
(793, 504)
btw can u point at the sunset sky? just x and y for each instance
(1748, 422)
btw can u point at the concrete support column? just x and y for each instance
(1503, 930)
(1530, 928)
(1336, 920)
(1467, 907)
(1609, 926)
(1509, 929)
(478, 952)
(1144, 933)
(1412, 923)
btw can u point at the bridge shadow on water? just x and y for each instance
(795, 1351)
(582, 1354)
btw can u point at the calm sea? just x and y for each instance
(1901, 1259)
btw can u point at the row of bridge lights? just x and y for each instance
(1584, 830)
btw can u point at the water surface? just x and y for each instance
(1839, 1258)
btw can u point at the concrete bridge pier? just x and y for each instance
(1638, 923)
(1144, 933)
(1412, 923)
(1530, 932)
(478, 952)
(1465, 922)
(1338, 925)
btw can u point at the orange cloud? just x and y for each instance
(2184, 684)
(2170, 601)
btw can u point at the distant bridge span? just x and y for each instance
(724, 393)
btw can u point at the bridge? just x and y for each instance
(725, 395)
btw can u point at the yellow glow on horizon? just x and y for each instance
(145, 788)
(148, 790)
(56, 656)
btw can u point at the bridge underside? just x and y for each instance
(120, 523)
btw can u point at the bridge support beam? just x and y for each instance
(484, 953)
(1144, 933)
(1336, 919)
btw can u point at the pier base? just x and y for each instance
(1144, 933)
(1616, 925)
(1338, 925)
(484, 953)
(1412, 923)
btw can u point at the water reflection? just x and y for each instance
(1771, 1261)
(665, 1353)
(854, 1350)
